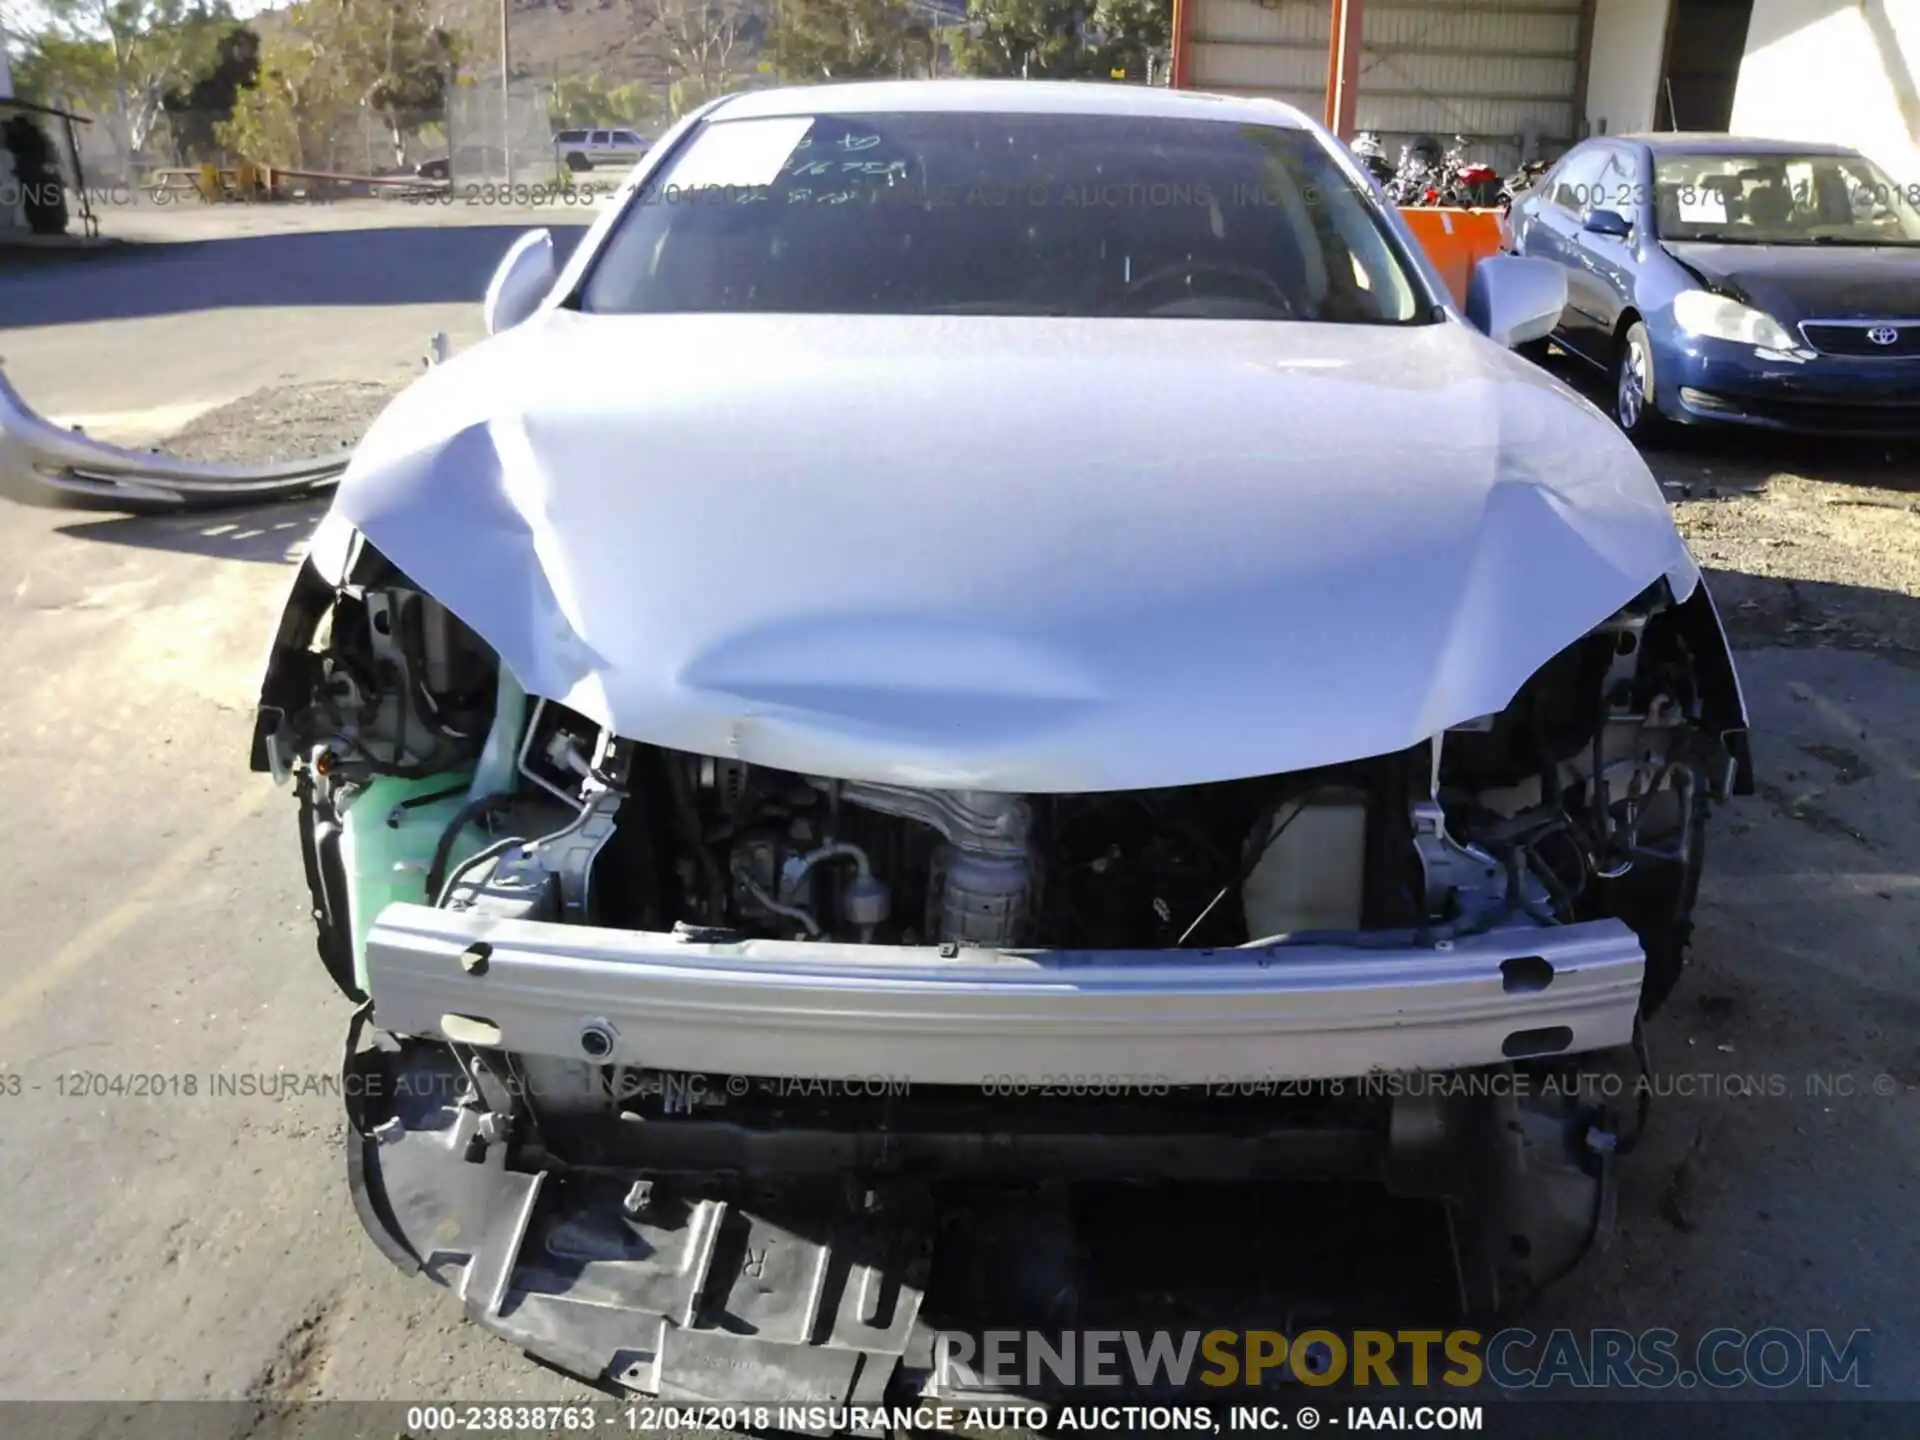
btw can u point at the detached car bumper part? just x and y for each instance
(43, 464)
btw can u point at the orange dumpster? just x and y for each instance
(1455, 240)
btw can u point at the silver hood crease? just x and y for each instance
(1014, 554)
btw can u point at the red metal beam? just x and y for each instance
(1343, 66)
(1182, 75)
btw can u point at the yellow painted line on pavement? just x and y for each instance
(162, 881)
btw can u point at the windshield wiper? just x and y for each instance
(1858, 240)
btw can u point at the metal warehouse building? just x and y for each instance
(1526, 77)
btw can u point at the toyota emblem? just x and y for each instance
(1883, 335)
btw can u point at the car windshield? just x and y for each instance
(1783, 199)
(1012, 214)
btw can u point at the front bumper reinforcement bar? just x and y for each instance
(966, 1017)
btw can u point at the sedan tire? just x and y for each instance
(1634, 407)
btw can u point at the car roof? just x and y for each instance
(1022, 97)
(1709, 142)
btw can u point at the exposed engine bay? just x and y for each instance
(430, 784)
(1582, 796)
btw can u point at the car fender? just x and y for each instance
(1723, 702)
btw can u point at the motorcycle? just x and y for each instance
(1368, 150)
(1416, 179)
(1428, 175)
(1522, 180)
(1471, 182)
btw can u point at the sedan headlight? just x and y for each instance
(1701, 312)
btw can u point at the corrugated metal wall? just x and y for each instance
(1504, 73)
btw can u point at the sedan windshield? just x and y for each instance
(1783, 199)
(1004, 214)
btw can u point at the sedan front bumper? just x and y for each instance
(942, 1016)
(1716, 381)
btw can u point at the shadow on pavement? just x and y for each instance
(274, 534)
(1767, 610)
(1707, 460)
(402, 265)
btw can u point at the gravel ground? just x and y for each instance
(285, 422)
(1807, 541)
(1799, 560)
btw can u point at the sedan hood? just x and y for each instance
(1810, 282)
(1014, 554)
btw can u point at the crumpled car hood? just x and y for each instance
(1808, 282)
(1010, 553)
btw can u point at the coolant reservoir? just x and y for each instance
(1313, 870)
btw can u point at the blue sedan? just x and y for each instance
(1731, 281)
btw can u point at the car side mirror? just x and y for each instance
(521, 281)
(1608, 222)
(1512, 300)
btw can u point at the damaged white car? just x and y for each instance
(981, 631)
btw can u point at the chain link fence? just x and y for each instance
(481, 131)
(490, 136)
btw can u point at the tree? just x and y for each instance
(328, 63)
(631, 104)
(66, 74)
(684, 94)
(1025, 38)
(1126, 33)
(137, 50)
(195, 109)
(298, 107)
(700, 40)
(587, 100)
(398, 60)
(850, 40)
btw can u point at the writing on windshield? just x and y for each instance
(967, 212)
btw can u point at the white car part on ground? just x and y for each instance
(43, 464)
